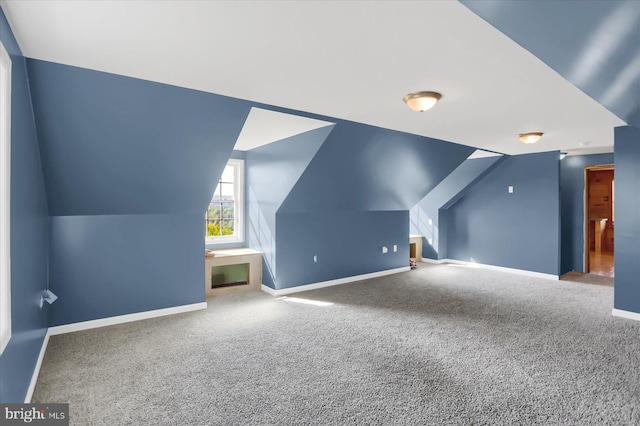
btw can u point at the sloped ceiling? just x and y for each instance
(263, 127)
(116, 145)
(349, 60)
(274, 169)
(594, 44)
(367, 168)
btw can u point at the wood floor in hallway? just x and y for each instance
(601, 263)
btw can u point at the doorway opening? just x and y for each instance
(599, 211)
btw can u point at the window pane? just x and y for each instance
(226, 191)
(222, 216)
(227, 227)
(213, 212)
(228, 174)
(213, 228)
(228, 210)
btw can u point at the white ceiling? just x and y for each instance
(352, 60)
(263, 127)
(478, 153)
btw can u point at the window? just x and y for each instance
(5, 195)
(224, 217)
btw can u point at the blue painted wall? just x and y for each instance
(318, 192)
(354, 197)
(29, 235)
(594, 44)
(368, 168)
(275, 168)
(442, 196)
(520, 230)
(347, 243)
(130, 166)
(572, 208)
(120, 152)
(107, 265)
(272, 170)
(119, 145)
(627, 231)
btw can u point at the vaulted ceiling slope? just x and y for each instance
(117, 145)
(273, 170)
(594, 44)
(425, 216)
(365, 168)
(349, 60)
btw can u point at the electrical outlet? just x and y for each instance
(395, 248)
(510, 189)
(385, 249)
(430, 221)
(49, 296)
(315, 258)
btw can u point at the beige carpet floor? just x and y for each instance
(440, 345)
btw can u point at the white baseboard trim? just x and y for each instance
(434, 261)
(625, 314)
(268, 289)
(330, 283)
(495, 268)
(120, 319)
(36, 370)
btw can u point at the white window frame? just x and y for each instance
(5, 198)
(238, 195)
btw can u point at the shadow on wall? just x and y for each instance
(495, 226)
(421, 224)
(272, 170)
(262, 238)
(429, 216)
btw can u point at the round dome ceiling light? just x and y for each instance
(422, 101)
(531, 137)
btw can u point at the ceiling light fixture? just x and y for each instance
(531, 137)
(422, 101)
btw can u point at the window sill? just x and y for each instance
(222, 241)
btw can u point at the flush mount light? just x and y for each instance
(422, 101)
(531, 137)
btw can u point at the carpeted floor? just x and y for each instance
(439, 345)
(588, 278)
